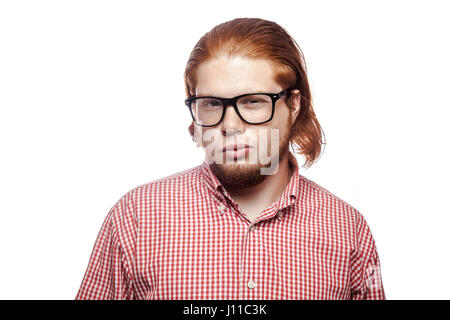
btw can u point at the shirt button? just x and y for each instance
(280, 215)
(251, 284)
(251, 228)
(221, 208)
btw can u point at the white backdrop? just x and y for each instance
(91, 106)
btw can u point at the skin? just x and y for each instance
(228, 77)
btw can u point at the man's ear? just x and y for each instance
(295, 103)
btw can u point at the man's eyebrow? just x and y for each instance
(207, 95)
(212, 95)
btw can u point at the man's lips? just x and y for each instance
(233, 147)
(236, 151)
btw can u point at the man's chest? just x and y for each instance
(212, 258)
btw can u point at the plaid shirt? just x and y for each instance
(184, 237)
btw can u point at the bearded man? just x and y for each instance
(245, 224)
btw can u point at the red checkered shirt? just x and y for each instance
(184, 237)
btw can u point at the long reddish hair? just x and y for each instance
(263, 39)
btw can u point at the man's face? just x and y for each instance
(268, 143)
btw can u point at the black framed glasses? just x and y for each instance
(252, 108)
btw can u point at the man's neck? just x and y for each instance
(255, 199)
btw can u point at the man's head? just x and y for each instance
(245, 56)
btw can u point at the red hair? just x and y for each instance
(262, 39)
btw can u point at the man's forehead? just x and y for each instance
(230, 77)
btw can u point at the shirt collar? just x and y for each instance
(287, 198)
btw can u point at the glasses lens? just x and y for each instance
(207, 111)
(255, 108)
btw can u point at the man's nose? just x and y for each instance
(231, 121)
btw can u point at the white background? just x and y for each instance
(91, 106)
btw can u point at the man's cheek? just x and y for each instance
(213, 145)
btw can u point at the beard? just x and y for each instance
(240, 176)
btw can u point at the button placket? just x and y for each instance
(250, 283)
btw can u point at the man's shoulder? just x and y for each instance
(148, 194)
(176, 181)
(315, 194)
(152, 196)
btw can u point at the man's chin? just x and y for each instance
(238, 175)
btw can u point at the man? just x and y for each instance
(245, 224)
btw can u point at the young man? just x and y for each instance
(245, 224)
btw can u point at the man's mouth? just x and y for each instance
(234, 147)
(236, 151)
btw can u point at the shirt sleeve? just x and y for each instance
(366, 270)
(108, 275)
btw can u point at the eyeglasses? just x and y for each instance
(252, 108)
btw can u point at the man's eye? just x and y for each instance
(210, 103)
(256, 99)
(253, 102)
